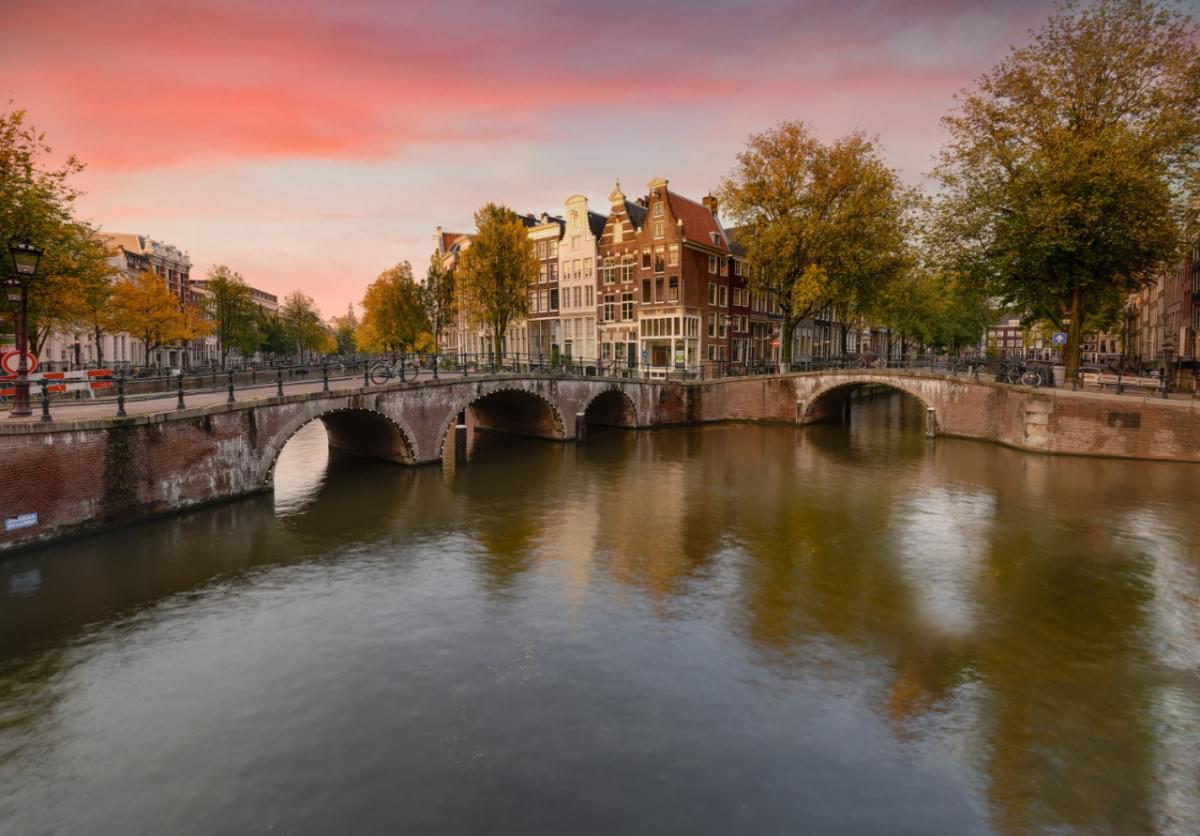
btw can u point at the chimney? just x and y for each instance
(710, 203)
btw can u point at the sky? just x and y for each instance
(311, 145)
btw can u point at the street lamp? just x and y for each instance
(1167, 348)
(727, 320)
(25, 258)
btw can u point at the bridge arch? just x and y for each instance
(512, 409)
(611, 408)
(359, 430)
(831, 399)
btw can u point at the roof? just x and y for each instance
(736, 236)
(637, 213)
(699, 224)
(596, 223)
(127, 241)
(449, 239)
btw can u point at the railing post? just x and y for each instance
(230, 399)
(435, 359)
(279, 381)
(45, 400)
(462, 359)
(403, 362)
(366, 373)
(121, 395)
(324, 375)
(179, 391)
(1120, 383)
(1166, 385)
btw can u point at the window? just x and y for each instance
(724, 297)
(542, 273)
(591, 299)
(659, 263)
(724, 267)
(553, 271)
(533, 300)
(658, 209)
(554, 249)
(712, 352)
(645, 290)
(544, 301)
(620, 351)
(658, 229)
(605, 351)
(737, 267)
(541, 249)
(627, 306)
(610, 308)
(627, 263)
(658, 288)
(673, 255)
(609, 271)
(712, 325)
(712, 264)
(645, 259)
(587, 268)
(554, 300)
(724, 327)
(673, 289)
(712, 294)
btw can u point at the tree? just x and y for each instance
(231, 308)
(393, 315)
(302, 324)
(496, 271)
(825, 226)
(93, 281)
(145, 308)
(276, 341)
(1067, 169)
(437, 298)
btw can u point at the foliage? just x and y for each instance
(91, 282)
(825, 226)
(393, 314)
(233, 312)
(496, 271)
(437, 297)
(1067, 169)
(276, 341)
(936, 310)
(303, 326)
(145, 308)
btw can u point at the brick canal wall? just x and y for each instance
(64, 478)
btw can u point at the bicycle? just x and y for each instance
(1019, 373)
(405, 368)
(872, 361)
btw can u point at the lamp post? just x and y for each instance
(25, 258)
(1167, 348)
(727, 321)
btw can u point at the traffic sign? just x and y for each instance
(10, 359)
(1059, 338)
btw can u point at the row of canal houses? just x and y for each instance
(657, 281)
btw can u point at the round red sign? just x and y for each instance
(10, 359)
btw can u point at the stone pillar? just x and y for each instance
(460, 439)
(930, 422)
(580, 427)
(799, 412)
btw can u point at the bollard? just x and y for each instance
(324, 376)
(463, 361)
(279, 381)
(366, 374)
(580, 427)
(179, 391)
(45, 399)
(435, 358)
(230, 398)
(1166, 387)
(121, 395)
(1120, 384)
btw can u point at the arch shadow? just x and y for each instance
(511, 410)
(611, 408)
(357, 431)
(833, 403)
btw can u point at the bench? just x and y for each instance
(1103, 379)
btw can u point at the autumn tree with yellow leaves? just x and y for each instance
(145, 308)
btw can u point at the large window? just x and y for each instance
(712, 325)
(724, 296)
(627, 306)
(658, 229)
(712, 294)
(658, 209)
(659, 260)
(627, 265)
(610, 307)
(673, 289)
(645, 259)
(608, 271)
(712, 264)
(673, 255)
(645, 290)
(554, 300)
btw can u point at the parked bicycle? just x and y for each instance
(871, 360)
(1019, 373)
(405, 368)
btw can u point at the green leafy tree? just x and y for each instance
(230, 306)
(276, 341)
(343, 331)
(1067, 169)
(825, 226)
(437, 298)
(496, 271)
(90, 285)
(302, 323)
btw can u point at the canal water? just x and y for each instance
(731, 629)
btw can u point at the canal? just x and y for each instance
(729, 629)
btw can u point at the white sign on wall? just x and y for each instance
(21, 521)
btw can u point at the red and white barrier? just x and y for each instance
(90, 381)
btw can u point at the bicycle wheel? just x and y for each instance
(881, 363)
(1031, 378)
(1014, 375)
(380, 374)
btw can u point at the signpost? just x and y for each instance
(1059, 338)
(10, 360)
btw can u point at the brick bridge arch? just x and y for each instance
(827, 397)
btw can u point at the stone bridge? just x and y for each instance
(71, 476)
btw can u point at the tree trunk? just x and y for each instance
(785, 341)
(97, 334)
(1074, 331)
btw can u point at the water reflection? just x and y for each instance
(666, 622)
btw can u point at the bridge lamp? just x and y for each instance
(25, 260)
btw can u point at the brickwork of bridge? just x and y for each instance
(72, 476)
